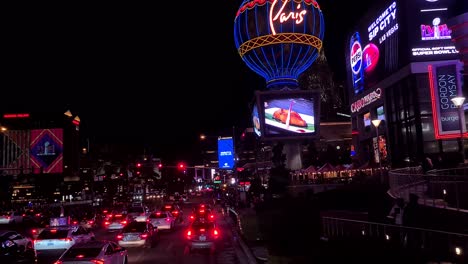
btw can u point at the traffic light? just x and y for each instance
(138, 165)
(181, 166)
(160, 165)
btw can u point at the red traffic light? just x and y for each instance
(138, 165)
(159, 165)
(181, 166)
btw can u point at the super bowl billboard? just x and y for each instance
(373, 47)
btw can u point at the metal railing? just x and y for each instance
(433, 244)
(437, 188)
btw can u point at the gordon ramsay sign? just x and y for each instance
(445, 84)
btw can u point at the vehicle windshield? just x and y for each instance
(74, 253)
(53, 234)
(134, 227)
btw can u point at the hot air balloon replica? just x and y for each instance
(279, 39)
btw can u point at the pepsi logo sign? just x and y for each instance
(356, 57)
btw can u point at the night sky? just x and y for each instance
(146, 74)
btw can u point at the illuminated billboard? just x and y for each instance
(46, 150)
(226, 153)
(445, 84)
(373, 47)
(289, 114)
(429, 36)
(256, 121)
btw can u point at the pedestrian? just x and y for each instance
(396, 212)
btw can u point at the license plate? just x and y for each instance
(202, 238)
(50, 244)
(157, 222)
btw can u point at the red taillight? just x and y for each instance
(80, 256)
(202, 206)
(175, 212)
(202, 211)
(67, 239)
(192, 217)
(211, 217)
(168, 219)
(75, 222)
(104, 212)
(97, 261)
(58, 262)
(119, 237)
(144, 236)
(24, 215)
(34, 231)
(106, 223)
(109, 215)
(189, 234)
(38, 214)
(123, 222)
(215, 233)
(202, 229)
(90, 222)
(118, 215)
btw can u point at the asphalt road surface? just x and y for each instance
(171, 246)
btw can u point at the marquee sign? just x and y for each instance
(366, 100)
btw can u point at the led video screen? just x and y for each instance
(289, 114)
(256, 121)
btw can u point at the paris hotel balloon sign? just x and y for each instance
(279, 39)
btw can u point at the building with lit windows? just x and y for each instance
(403, 69)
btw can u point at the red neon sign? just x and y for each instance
(21, 115)
(435, 117)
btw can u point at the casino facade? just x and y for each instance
(403, 69)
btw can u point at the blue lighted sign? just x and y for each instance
(226, 153)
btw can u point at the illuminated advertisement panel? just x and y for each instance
(380, 113)
(46, 150)
(429, 36)
(226, 153)
(256, 121)
(445, 84)
(289, 114)
(373, 47)
(367, 119)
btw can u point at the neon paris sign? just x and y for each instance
(282, 16)
(366, 100)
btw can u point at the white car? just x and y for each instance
(139, 213)
(105, 252)
(11, 217)
(62, 238)
(16, 246)
(163, 220)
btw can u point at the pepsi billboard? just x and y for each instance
(373, 47)
(226, 153)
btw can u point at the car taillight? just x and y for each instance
(119, 237)
(202, 229)
(192, 217)
(34, 231)
(168, 219)
(144, 236)
(97, 261)
(75, 222)
(202, 211)
(215, 233)
(90, 222)
(189, 234)
(211, 217)
(123, 222)
(175, 212)
(106, 223)
(67, 239)
(58, 262)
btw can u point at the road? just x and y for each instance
(170, 247)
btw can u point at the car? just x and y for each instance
(99, 251)
(163, 220)
(175, 210)
(139, 213)
(202, 213)
(60, 238)
(117, 221)
(138, 234)
(202, 235)
(11, 217)
(16, 247)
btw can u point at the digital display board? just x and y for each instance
(46, 150)
(373, 47)
(429, 36)
(367, 119)
(380, 113)
(256, 121)
(289, 114)
(226, 153)
(445, 84)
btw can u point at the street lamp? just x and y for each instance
(458, 102)
(376, 123)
